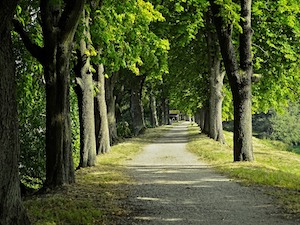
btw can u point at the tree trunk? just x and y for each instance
(239, 77)
(202, 113)
(12, 211)
(166, 113)
(111, 107)
(197, 117)
(153, 119)
(59, 20)
(216, 83)
(206, 118)
(85, 93)
(59, 161)
(58, 27)
(136, 107)
(102, 131)
(163, 110)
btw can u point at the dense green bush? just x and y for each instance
(286, 126)
(32, 117)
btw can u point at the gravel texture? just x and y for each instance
(173, 187)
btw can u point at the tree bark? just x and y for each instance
(102, 130)
(206, 119)
(202, 113)
(166, 113)
(153, 119)
(85, 93)
(12, 211)
(239, 77)
(59, 21)
(111, 107)
(216, 84)
(136, 107)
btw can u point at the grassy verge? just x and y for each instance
(94, 199)
(274, 168)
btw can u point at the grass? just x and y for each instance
(94, 199)
(274, 170)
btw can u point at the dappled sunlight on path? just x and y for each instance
(173, 187)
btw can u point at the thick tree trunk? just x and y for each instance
(136, 107)
(243, 122)
(59, 161)
(102, 130)
(59, 25)
(239, 77)
(111, 107)
(216, 83)
(12, 211)
(59, 20)
(85, 93)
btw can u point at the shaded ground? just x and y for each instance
(173, 187)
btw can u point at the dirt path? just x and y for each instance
(174, 187)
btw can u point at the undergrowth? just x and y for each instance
(274, 168)
(94, 198)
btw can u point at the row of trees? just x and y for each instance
(118, 57)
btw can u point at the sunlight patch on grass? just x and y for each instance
(273, 167)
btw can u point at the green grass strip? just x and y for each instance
(275, 169)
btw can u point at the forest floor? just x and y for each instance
(155, 179)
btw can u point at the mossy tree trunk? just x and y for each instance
(12, 211)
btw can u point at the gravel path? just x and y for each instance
(174, 187)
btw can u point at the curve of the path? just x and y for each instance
(173, 187)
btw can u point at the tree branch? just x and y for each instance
(70, 17)
(224, 32)
(35, 50)
(245, 36)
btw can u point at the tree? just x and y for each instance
(111, 106)
(85, 94)
(153, 105)
(102, 128)
(59, 20)
(239, 75)
(216, 77)
(136, 107)
(11, 208)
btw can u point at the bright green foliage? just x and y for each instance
(188, 83)
(227, 104)
(32, 116)
(183, 19)
(121, 30)
(276, 50)
(230, 11)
